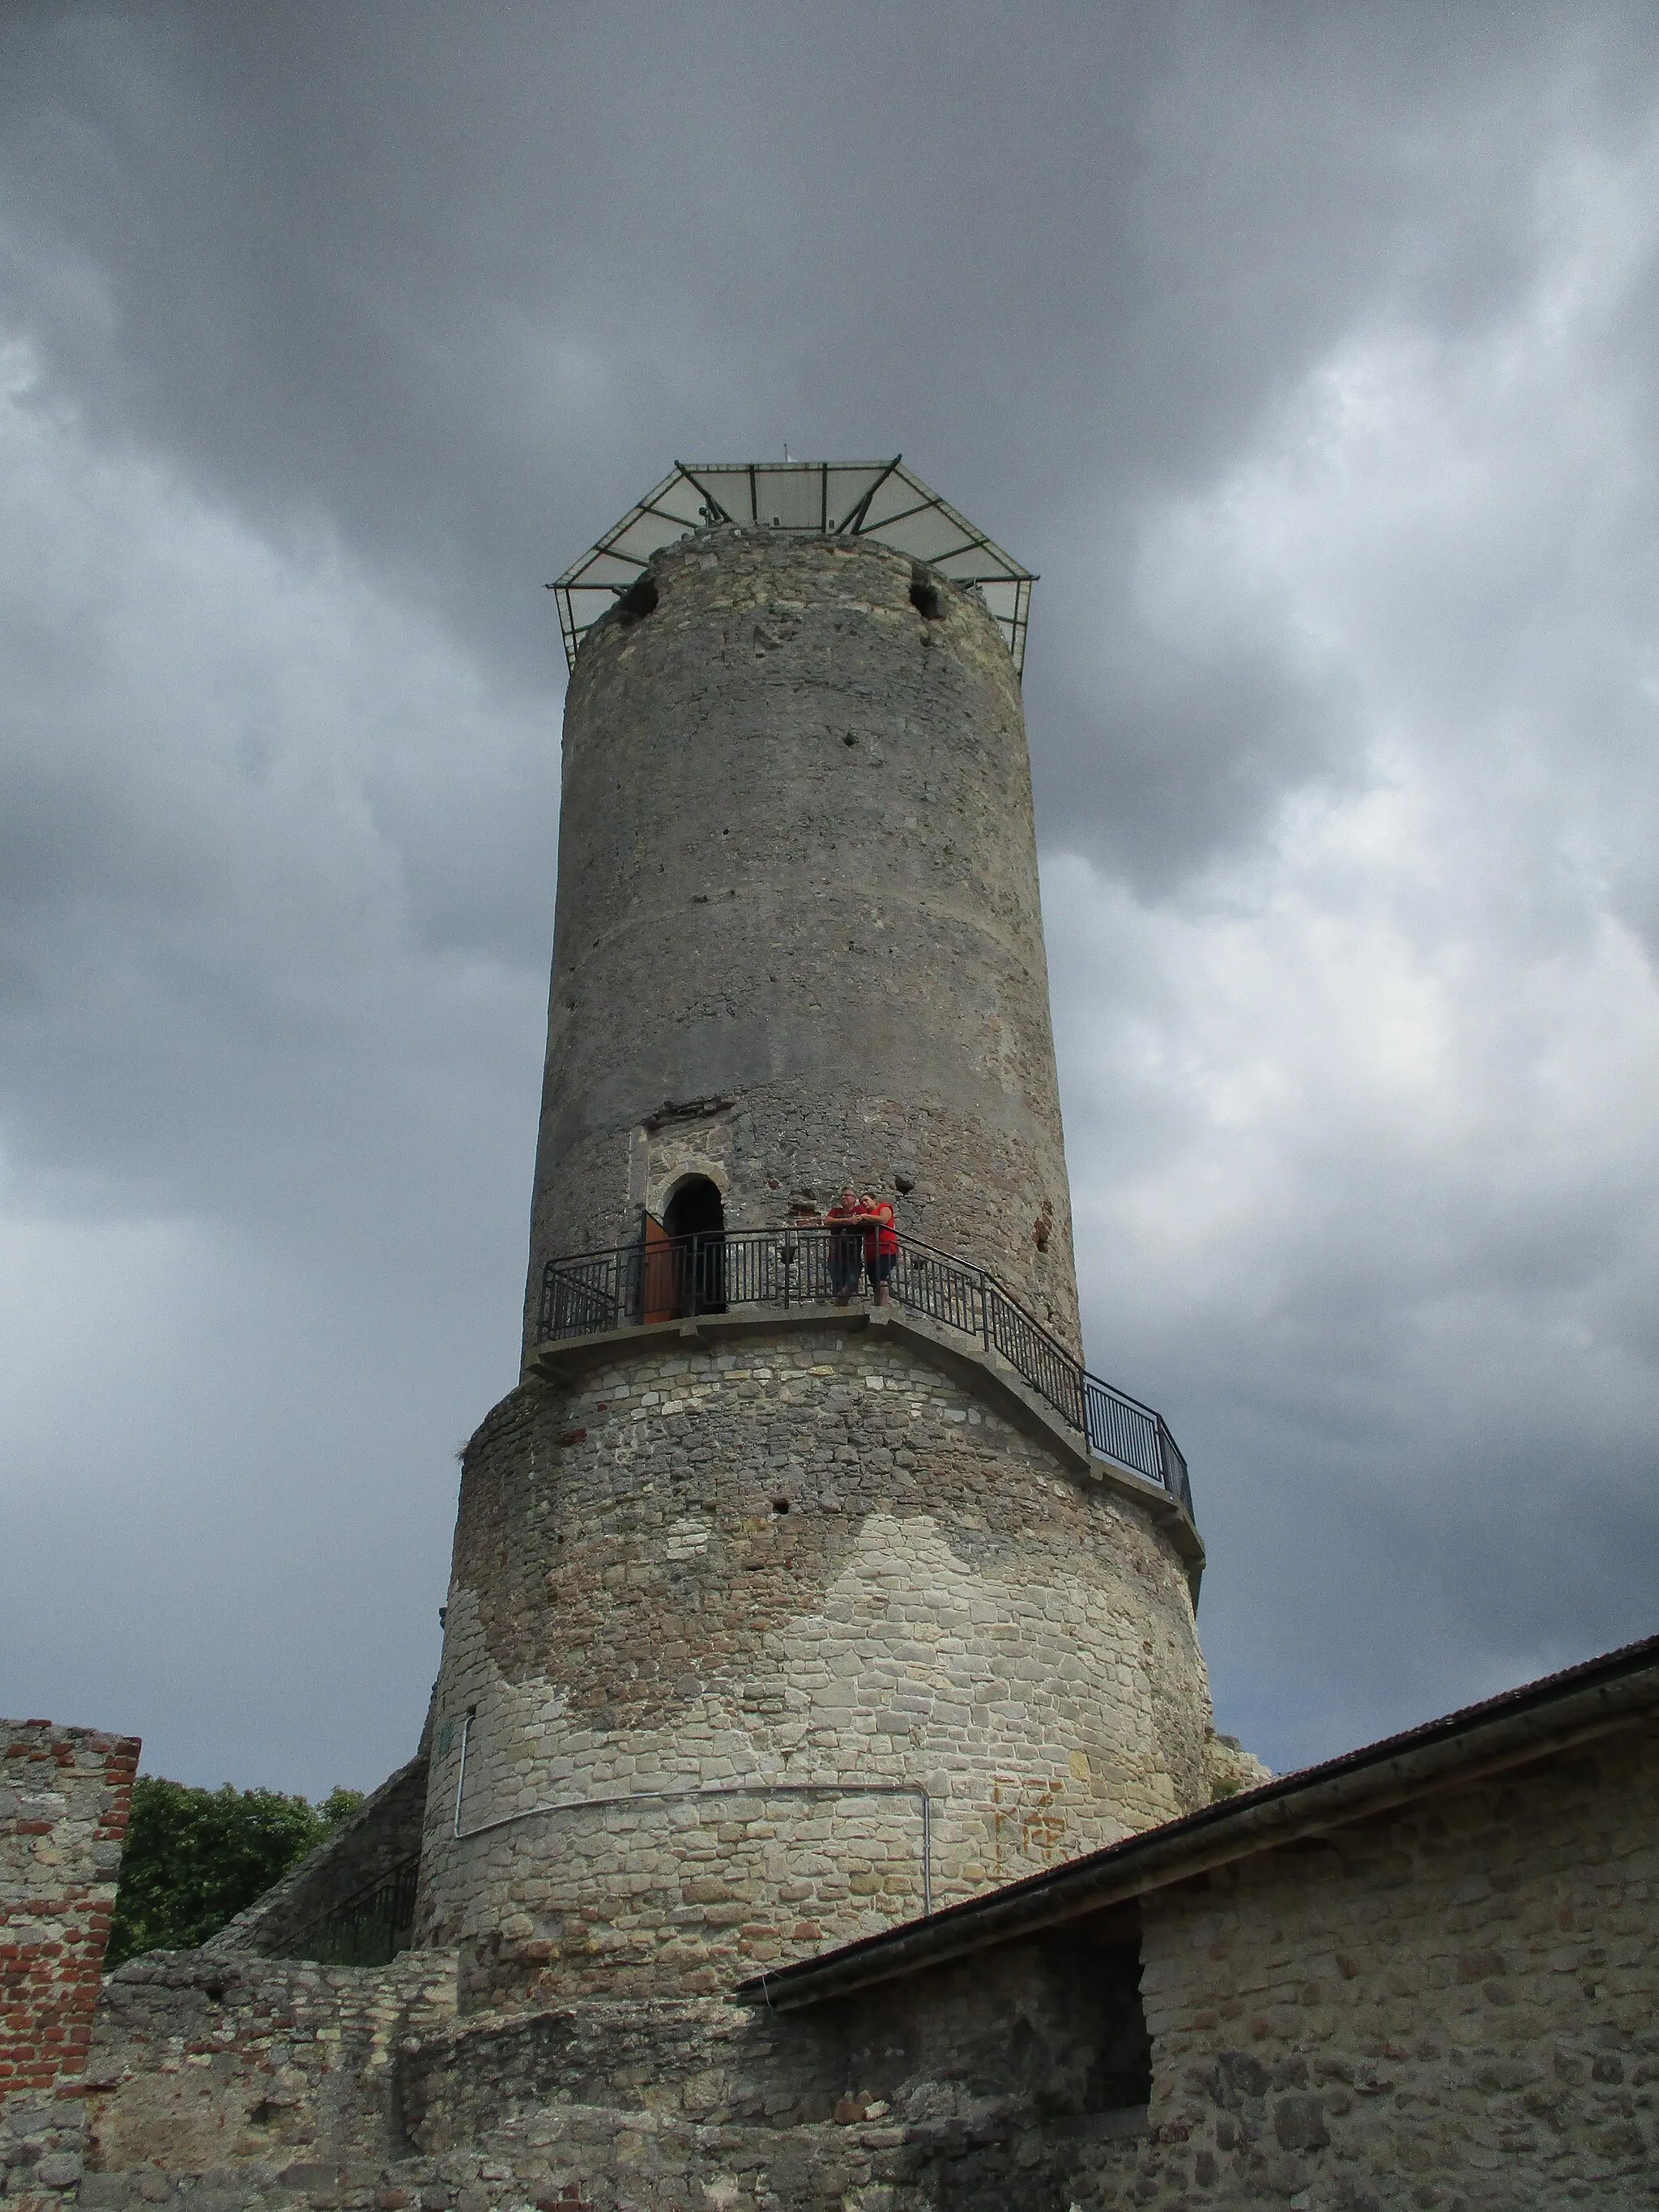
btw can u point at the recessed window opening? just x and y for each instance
(638, 600)
(926, 596)
(695, 1218)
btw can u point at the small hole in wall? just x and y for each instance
(849, 739)
(926, 596)
(779, 1504)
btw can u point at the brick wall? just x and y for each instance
(64, 1797)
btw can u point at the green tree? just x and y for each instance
(194, 1858)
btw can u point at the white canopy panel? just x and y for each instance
(833, 499)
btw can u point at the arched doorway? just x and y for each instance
(695, 1218)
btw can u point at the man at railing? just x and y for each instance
(845, 1257)
(881, 1246)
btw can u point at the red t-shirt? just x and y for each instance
(881, 1237)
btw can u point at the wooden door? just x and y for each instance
(659, 1291)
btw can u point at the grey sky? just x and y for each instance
(1309, 353)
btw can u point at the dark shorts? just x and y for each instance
(881, 1265)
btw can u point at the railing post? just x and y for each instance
(985, 1308)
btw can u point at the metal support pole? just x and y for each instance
(460, 1779)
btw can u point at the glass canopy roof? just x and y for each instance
(839, 499)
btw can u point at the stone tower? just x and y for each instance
(773, 1620)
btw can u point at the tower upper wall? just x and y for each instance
(798, 939)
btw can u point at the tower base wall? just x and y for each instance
(760, 1643)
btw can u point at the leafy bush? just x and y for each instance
(194, 1858)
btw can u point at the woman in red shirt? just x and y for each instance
(881, 1245)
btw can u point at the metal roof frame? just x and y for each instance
(882, 501)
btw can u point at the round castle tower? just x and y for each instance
(798, 941)
(773, 1624)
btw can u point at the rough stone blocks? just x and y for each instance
(724, 1615)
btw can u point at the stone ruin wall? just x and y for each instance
(241, 2070)
(798, 882)
(245, 2084)
(1455, 2003)
(797, 1558)
(65, 1794)
(1450, 2007)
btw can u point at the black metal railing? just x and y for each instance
(368, 1929)
(678, 1276)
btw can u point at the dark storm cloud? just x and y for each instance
(1307, 351)
(451, 280)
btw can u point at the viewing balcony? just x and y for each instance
(635, 1286)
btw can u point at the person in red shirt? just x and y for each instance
(881, 1245)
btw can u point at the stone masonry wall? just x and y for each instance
(975, 2086)
(813, 1564)
(249, 2075)
(64, 1797)
(1052, 2026)
(1449, 2007)
(1453, 2006)
(798, 882)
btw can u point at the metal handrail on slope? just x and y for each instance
(367, 1928)
(587, 1292)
